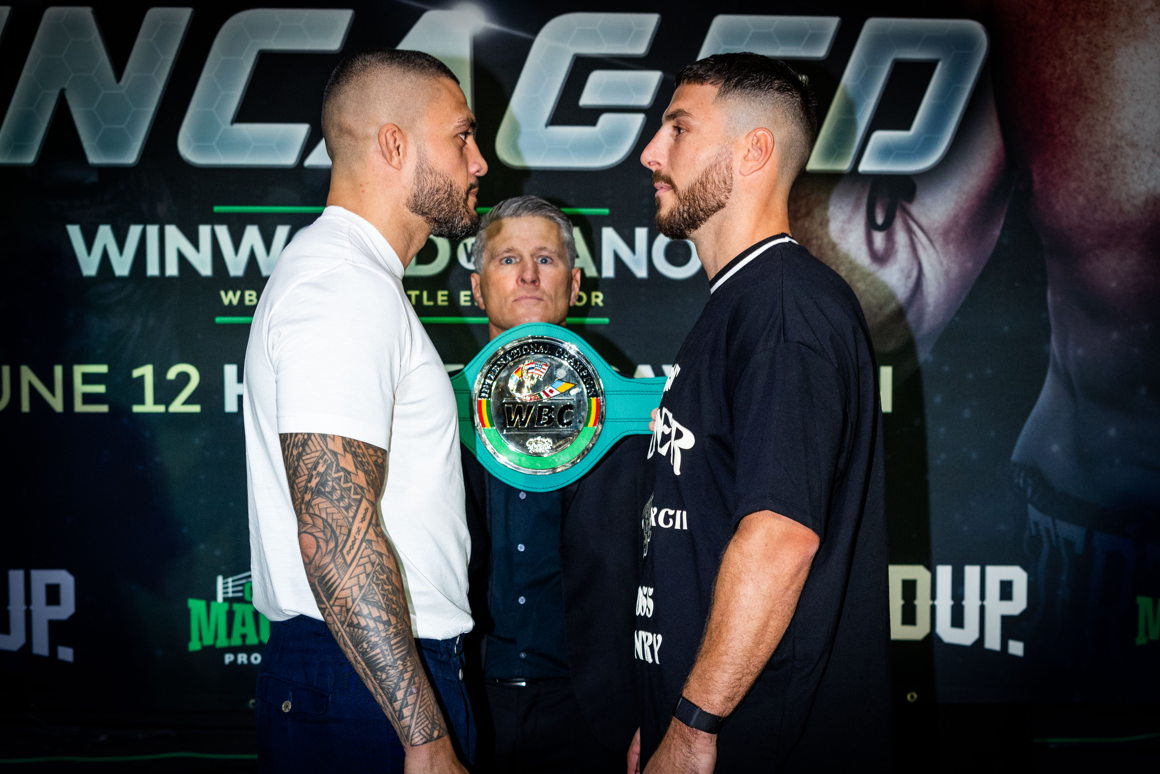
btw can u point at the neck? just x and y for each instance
(736, 227)
(384, 206)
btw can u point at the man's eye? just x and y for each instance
(507, 259)
(544, 259)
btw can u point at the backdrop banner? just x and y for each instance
(986, 179)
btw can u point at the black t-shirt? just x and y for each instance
(773, 405)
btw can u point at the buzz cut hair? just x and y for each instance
(400, 62)
(765, 82)
(527, 206)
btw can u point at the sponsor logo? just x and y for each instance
(991, 593)
(36, 599)
(228, 623)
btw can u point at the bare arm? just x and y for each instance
(336, 484)
(758, 585)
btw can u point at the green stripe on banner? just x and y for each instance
(297, 209)
(263, 209)
(435, 320)
(565, 210)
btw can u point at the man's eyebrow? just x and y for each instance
(467, 122)
(673, 115)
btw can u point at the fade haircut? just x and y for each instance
(524, 207)
(400, 63)
(768, 84)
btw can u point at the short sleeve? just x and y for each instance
(337, 346)
(788, 414)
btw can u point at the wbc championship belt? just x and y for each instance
(539, 408)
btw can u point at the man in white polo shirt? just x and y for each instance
(358, 539)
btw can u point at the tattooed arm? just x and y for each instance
(336, 484)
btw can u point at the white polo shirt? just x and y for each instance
(336, 348)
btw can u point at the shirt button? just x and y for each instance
(522, 600)
(520, 548)
(286, 705)
(523, 495)
(523, 655)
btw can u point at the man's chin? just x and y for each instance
(539, 316)
(458, 229)
(668, 229)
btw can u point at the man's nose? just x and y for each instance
(650, 156)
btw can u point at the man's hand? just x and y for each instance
(634, 754)
(436, 757)
(684, 750)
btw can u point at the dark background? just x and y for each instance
(147, 510)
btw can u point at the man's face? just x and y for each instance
(448, 166)
(691, 162)
(523, 274)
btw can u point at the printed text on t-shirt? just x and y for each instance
(670, 438)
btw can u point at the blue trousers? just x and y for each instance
(315, 714)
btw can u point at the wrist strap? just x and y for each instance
(694, 717)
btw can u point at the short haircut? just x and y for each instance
(400, 63)
(767, 83)
(524, 207)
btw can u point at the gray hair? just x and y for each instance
(524, 207)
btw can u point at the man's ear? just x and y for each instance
(757, 152)
(478, 296)
(392, 143)
(575, 287)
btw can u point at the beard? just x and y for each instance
(444, 207)
(702, 199)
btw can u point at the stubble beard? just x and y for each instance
(702, 199)
(436, 199)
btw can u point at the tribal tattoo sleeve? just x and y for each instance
(335, 485)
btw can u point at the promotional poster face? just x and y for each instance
(985, 179)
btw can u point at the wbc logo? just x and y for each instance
(539, 405)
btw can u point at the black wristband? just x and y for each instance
(694, 717)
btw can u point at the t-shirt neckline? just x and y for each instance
(747, 256)
(386, 253)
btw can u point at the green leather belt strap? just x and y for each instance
(539, 407)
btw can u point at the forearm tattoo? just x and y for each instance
(335, 485)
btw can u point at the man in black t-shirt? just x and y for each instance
(762, 624)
